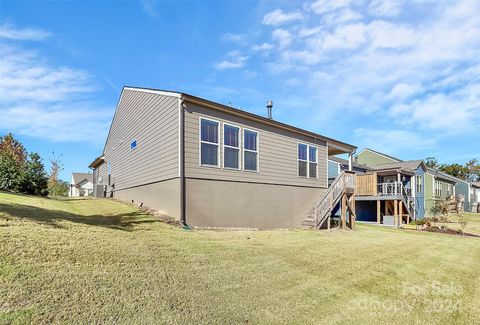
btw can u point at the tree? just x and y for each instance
(12, 147)
(10, 171)
(455, 170)
(473, 173)
(54, 185)
(431, 162)
(33, 179)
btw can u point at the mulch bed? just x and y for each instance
(449, 232)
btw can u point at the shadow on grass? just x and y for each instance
(122, 221)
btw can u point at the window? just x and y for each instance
(307, 161)
(250, 150)
(449, 189)
(418, 184)
(312, 162)
(133, 144)
(231, 146)
(209, 135)
(302, 160)
(438, 188)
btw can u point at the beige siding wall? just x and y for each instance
(277, 152)
(212, 203)
(152, 120)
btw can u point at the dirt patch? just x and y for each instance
(449, 232)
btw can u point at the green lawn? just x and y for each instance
(100, 261)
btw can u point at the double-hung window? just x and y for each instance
(307, 161)
(418, 183)
(231, 146)
(250, 150)
(209, 142)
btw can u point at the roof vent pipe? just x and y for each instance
(269, 109)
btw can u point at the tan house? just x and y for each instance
(207, 164)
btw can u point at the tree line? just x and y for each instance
(470, 171)
(24, 172)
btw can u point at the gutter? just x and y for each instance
(183, 185)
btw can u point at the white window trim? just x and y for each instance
(257, 152)
(200, 141)
(308, 160)
(239, 147)
(298, 160)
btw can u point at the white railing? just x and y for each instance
(393, 188)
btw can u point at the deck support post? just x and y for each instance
(378, 211)
(400, 216)
(395, 212)
(344, 211)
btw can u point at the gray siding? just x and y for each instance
(152, 120)
(277, 152)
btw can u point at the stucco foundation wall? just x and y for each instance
(163, 196)
(212, 203)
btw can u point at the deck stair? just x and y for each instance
(341, 191)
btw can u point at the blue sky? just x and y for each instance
(402, 77)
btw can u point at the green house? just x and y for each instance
(438, 187)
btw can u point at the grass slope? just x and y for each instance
(101, 261)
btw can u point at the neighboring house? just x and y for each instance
(370, 157)
(427, 186)
(81, 184)
(336, 165)
(209, 164)
(474, 197)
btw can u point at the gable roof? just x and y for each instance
(476, 184)
(80, 177)
(409, 164)
(381, 154)
(337, 147)
(443, 176)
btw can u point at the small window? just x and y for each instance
(133, 144)
(312, 162)
(302, 159)
(231, 146)
(307, 161)
(419, 184)
(209, 142)
(250, 150)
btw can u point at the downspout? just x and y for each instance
(183, 201)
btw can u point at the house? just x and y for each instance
(81, 184)
(208, 164)
(425, 188)
(336, 165)
(474, 193)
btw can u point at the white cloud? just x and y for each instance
(385, 8)
(306, 32)
(282, 37)
(235, 38)
(278, 17)
(234, 60)
(341, 16)
(262, 47)
(148, 6)
(346, 37)
(47, 101)
(325, 6)
(8, 31)
(403, 90)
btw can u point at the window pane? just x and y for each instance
(313, 170)
(231, 158)
(209, 131)
(250, 140)
(250, 160)
(209, 154)
(302, 151)
(313, 154)
(230, 135)
(302, 168)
